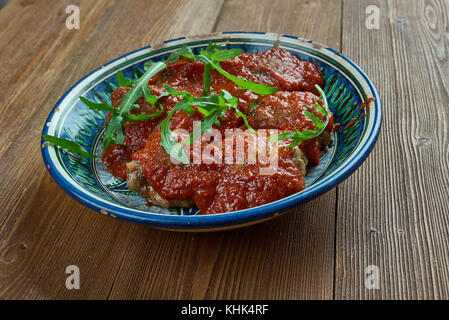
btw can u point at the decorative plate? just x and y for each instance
(87, 180)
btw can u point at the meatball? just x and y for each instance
(216, 187)
(277, 68)
(285, 111)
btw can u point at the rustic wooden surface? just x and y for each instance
(392, 213)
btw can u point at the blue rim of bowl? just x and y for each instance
(222, 220)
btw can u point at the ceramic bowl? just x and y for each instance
(88, 181)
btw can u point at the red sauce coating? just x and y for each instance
(136, 134)
(284, 110)
(224, 188)
(218, 187)
(278, 68)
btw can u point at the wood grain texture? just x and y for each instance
(39, 48)
(402, 226)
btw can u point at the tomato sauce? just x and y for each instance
(284, 110)
(220, 187)
(224, 188)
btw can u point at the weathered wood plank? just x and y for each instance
(288, 258)
(39, 48)
(42, 230)
(316, 20)
(393, 211)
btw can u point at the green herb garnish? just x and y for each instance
(123, 81)
(184, 51)
(211, 107)
(215, 54)
(243, 84)
(97, 106)
(300, 136)
(68, 145)
(114, 133)
(211, 56)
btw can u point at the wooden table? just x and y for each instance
(393, 212)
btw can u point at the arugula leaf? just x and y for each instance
(252, 108)
(322, 110)
(212, 107)
(150, 98)
(215, 54)
(245, 120)
(98, 106)
(122, 81)
(184, 51)
(144, 116)
(220, 54)
(316, 121)
(114, 133)
(68, 145)
(209, 120)
(211, 56)
(300, 136)
(174, 92)
(243, 84)
(140, 87)
(207, 80)
(172, 147)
